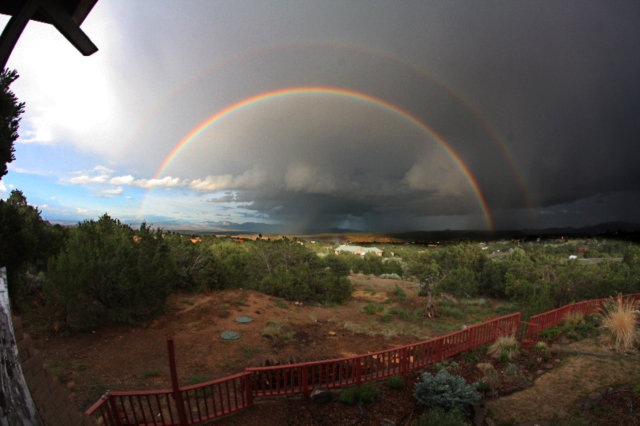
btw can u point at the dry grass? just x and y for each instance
(507, 345)
(620, 319)
(574, 318)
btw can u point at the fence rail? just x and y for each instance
(205, 401)
(552, 318)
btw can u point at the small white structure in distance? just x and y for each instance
(358, 250)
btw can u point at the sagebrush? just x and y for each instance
(446, 391)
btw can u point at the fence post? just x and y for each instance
(114, 410)
(439, 349)
(405, 362)
(248, 388)
(305, 381)
(358, 371)
(177, 396)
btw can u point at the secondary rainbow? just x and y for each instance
(263, 97)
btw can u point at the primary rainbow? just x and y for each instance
(331, 91)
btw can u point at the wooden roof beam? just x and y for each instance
(55, 14)
(67, 27)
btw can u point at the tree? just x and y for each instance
(25, 239)
(10, 112)
(108, 272)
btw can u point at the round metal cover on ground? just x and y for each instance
(230, 335)
(244, 320)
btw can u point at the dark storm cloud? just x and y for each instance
(540, 100)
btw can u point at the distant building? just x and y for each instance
(358, 250)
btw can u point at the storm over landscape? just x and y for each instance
(315, 116)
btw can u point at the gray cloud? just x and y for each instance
(539, 100)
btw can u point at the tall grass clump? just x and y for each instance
(620, 320)
(504, 348)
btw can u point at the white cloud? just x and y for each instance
(122, 180)
(251, 179)
(81, 210)
(167, 181)
(212, 183)
(113, 191)
(86, 179)
(2, 187)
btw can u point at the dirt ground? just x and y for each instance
(578, 386)
(135, 358)
(582, 378)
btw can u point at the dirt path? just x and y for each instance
(557, 393)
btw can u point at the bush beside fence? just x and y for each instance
(205, 401)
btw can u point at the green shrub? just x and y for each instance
(106, 272)
(373, 308)
(385, 317)
(363, 395)
(482, 386)
(399, 293)
(440, 417)
(445, 391)
(550, 333)
(392, 276)
(541, 347)
(395, 382)
(574, 318)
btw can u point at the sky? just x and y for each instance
(314, 116)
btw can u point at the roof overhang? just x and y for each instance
(65, 15)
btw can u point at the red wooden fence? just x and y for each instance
(552, 318)
(197, 403)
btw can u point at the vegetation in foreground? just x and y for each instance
(103, 271)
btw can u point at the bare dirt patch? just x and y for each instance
(135, 358)
(557, 393)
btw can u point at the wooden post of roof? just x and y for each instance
(65, 15)
(14, 28)
(67, 27)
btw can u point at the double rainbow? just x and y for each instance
(264, 97)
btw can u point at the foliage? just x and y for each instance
(26, 242)
(108, 272)
(445, 391)
(364, 394)
(460, 282)
(277, 331)
(541, 347)
(10, 112)
(574, 318)
(399, 293)
(440, 417)
(392, 276)
(286, 269)
(504, 347)
(620, 319)
(395, 382)
(373, 308)
(551, 333)
(196, 267)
